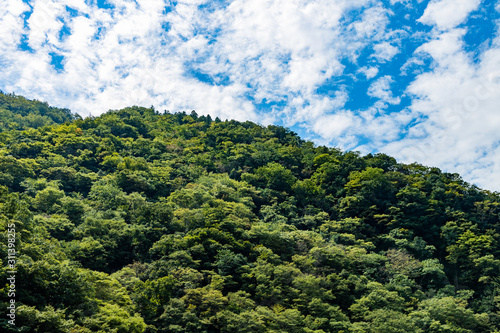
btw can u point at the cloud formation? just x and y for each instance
(395, 76)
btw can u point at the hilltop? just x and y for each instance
(19, 113)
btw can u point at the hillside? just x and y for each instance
(19, 113)
(137, 221)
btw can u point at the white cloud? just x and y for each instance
(373, 23)
(385, 51)
(444, 47)
(447, 14)
(334, 125)
(269, 49)
(11, 28)
(381, 89)
(369, 72)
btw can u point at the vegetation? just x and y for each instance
(19, 113)
(137, 221)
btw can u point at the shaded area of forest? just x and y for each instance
(137, 221)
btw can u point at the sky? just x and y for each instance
(418, 80)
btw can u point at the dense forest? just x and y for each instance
(146, 221)
(19, 113)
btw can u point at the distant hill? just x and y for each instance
(19, 113)
(140, 221)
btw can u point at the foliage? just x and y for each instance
(137, 221)
(19, 113)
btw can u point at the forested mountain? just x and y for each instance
(137, 221)
(19, 113)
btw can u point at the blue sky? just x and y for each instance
(418, 80)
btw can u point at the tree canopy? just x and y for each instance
(19, 113)
(140, 221)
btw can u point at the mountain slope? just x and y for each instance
(19, 113)
(138, 221)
